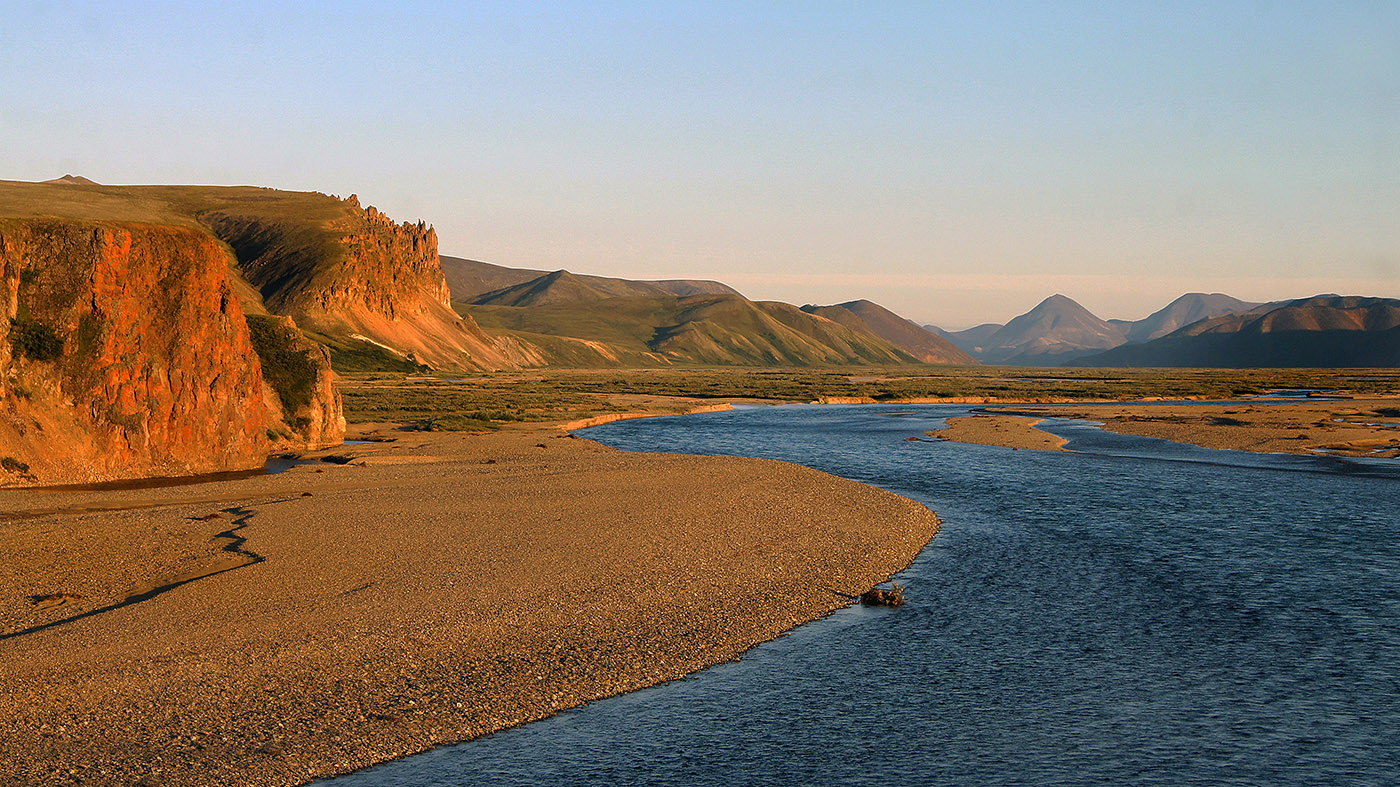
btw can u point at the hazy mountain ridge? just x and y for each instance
(1327, 331)
(1185, 310)
(1059, 330)
(77, 180)
(1055, 330)
(471, 279)
(969, 340)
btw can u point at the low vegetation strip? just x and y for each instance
(493, 400)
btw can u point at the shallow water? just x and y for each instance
(1137, 613)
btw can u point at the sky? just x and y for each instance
(954, 162)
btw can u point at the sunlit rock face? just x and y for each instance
(124, 353)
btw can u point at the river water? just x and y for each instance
(1133, 612)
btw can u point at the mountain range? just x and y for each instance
(1321, 331)
(1196, 330)
(1190, 308)
(181, 329)
(470, 278)
(598, 321)
(1059, 330)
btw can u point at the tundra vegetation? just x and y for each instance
(489, 400)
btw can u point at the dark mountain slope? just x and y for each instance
(863, 315)
(1185, 310)
(552, 289)
(1323, 331)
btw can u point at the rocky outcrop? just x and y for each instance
(390, 269)
(356, 273)
(124, 352)
(298, 371)
(359, 259)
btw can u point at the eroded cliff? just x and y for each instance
(356, 273)
(124, 352)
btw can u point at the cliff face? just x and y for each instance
(390, 269)
(300, 384)
(125, 353)
(360, 275)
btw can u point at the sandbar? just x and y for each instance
(276, 629)
(1010, 431)
(1347, 427)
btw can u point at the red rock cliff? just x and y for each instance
(390, 269)
(124, 353)
(361, 275)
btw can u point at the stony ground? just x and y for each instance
(271, 630)
(1011, 431)
(1351, 427)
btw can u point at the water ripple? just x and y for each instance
(1130, 614)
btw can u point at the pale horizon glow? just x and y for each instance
(955, 163)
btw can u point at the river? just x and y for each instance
(1130, 612)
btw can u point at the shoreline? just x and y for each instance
(1341, 427)
(431, 590)
(527, 572)
(1009, 431)
(599, 420)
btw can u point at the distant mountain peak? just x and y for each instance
(1322, 331)
(74, 180)
(1058, 302)
(1057, 329)
(470, 279)
(1185, 310)
(554, 288)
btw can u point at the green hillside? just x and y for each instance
(721, 330)
(863, 315)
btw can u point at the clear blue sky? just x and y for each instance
(955, 162)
